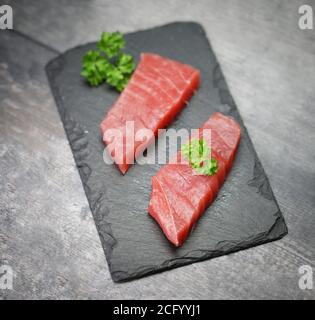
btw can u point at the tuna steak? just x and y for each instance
(157, 91)
(179, 195)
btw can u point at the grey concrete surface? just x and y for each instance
(47, 233)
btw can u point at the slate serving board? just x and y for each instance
(245, 212)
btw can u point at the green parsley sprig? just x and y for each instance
(196, 152)
(108, 64)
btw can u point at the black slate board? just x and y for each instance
(245, 213)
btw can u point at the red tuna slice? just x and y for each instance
(157, 91)
(179, 195)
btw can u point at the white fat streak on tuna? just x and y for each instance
(180, 74)
(168, 80)
(154, 82)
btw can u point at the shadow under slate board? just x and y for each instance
(245, 212)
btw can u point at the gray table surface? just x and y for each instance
(47, 233)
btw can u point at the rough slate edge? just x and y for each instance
(260, 180)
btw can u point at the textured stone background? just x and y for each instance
(47, 233)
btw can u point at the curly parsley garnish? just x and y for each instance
(108, 64)
(196, 152)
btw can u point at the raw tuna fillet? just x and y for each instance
(158, 89)
(179, 195)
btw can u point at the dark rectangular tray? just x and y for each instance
(245, 212)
